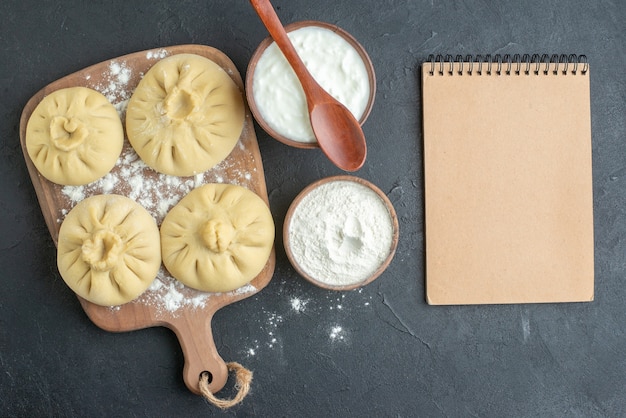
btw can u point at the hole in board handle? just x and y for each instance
(208, 374)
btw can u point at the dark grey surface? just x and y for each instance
(397, 356)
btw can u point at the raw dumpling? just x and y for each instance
(109, 249)
(74, 136)
(217, 238)
(185, 116)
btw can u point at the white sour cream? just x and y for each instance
(334, 64)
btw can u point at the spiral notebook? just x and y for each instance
(508, 180)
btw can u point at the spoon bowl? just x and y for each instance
(337, 131)
(331, 119)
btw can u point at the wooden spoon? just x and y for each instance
(336, 129)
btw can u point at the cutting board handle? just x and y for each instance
(196, 340)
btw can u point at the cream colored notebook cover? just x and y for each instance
(508, 180)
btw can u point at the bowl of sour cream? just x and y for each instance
(333, 57)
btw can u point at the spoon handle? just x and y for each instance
(270, 19)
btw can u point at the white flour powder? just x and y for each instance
(340, 233)
(337, 333)
(298, 305)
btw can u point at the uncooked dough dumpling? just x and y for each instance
(185, 116)
(109, 249)
(217, 238)
(74, 136)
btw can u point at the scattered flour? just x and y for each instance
(337, 333)
(114, 85)
(343, 304)
(273, 341)
(272, 322)
(156, 192)
(169, 295)
(339, 301)
(157, 54)
(298, 304)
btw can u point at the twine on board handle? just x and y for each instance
(242, 385)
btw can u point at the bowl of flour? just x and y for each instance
(336, 61)
(341, 232)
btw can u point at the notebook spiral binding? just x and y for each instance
(508, 64)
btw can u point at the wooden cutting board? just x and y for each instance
(167, 302)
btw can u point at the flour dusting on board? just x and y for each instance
(157, 55)
(168, 294)
(156, 192)
(114, 85)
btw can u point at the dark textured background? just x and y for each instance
(395, 356)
